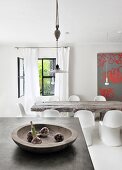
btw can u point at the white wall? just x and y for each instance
(82, 78)
(8, 81)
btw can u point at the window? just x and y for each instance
(46, 78)
(20, 64)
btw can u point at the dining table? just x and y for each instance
(74, 157)
(73, 106)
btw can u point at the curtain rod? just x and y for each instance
(43, 47)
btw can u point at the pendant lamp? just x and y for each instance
(57, 34)
(106, 79)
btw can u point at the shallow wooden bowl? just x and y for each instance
(48, 144)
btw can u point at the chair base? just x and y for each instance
(110, 136)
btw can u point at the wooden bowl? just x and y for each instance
(48, 144)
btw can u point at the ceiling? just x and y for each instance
(86, 21)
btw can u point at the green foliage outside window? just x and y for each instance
(45, 77)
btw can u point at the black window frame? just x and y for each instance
(20, 77)
(44, 77)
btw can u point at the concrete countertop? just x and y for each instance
(75, 157)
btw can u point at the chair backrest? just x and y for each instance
(113, 118)
(86, 118)
(22, 110)
(99, 98)
(39, 99)
(54, 98)
(74, 98)
(51, 113)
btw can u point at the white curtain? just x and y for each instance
(62, 79)
(32, 89)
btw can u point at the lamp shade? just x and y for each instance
(58, 71)
(106, 81)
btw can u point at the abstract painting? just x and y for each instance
(110, 65)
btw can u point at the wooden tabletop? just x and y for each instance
(75, 157)
(75, 106)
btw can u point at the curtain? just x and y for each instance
(62, 79)
(32, 89)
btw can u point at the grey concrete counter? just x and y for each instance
(75, 157)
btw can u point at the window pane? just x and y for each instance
(48, 87)
(48, 65)
(21, 67)
(46, 78)
(20, 63)
(40, 75)
(21, 87)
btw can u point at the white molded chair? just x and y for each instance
(109, 128)
(86, 119)
(99, 98)
(74, 98)
(54, 98)
(24, 114)
(97, 113)
(51, 113)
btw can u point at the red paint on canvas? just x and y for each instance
(107, 92)
(111, 59)
(114, 75)
(110, 66)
